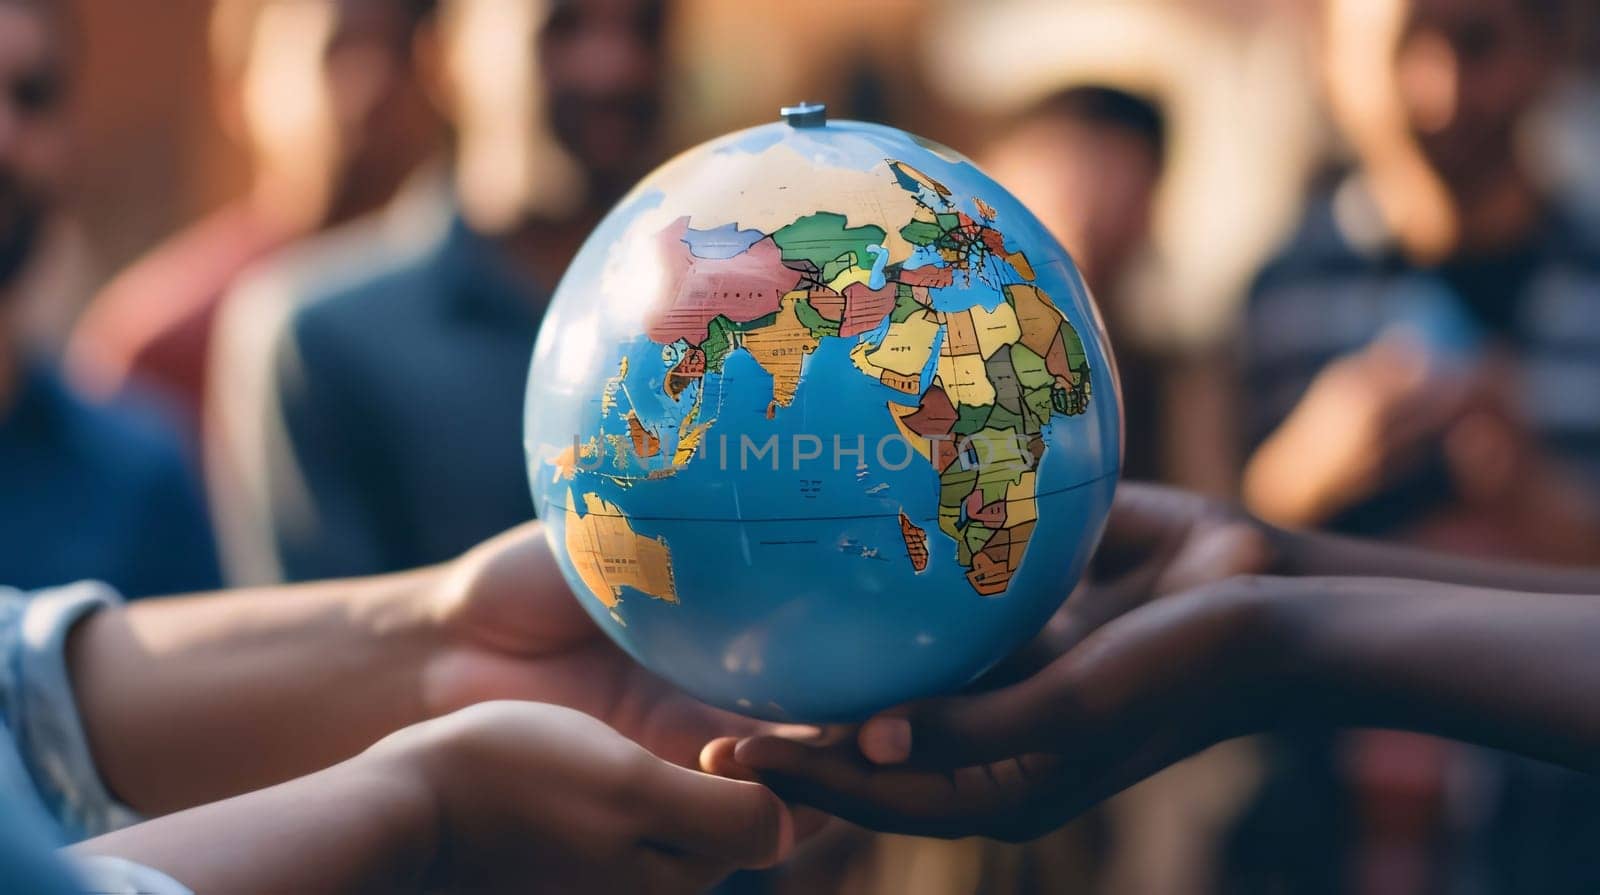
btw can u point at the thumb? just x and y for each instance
(737, 821)
(509, 592)
(967, 730)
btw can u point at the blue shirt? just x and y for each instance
(393, 403)
(97, 492)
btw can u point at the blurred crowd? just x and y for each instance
(1348, 253)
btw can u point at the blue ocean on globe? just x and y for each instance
(821, 420)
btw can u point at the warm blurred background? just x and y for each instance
(951, 71)
(1348, 252)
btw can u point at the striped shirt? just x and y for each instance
(1331, 292)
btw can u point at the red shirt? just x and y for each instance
(152, 322)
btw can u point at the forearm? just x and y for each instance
(366, 825)
(1305, 553)
(1517, 671)
(194, 699)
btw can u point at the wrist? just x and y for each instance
(1325, 632)
(366, 824)
(397, 780)
(1264, 620)
(405, 638)
(443, 764)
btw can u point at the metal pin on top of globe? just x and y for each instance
(805, 114)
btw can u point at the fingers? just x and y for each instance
(1011, 763)
(839, 782)
(1215, 553)
(1141, 510)
(737, 821)
(970, 730)
(1011, 799)
(1209, 553)
(718, 758)
(1143, 518)
(1120, 678)
(1094, 605)
(510, 591)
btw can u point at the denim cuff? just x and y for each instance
(107, 875)
(51, 737)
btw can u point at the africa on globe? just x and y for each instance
(821, 420)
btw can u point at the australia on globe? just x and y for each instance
(821, 420)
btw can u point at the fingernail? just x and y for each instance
(886, 740)
(717, 758)
(709, 755)
(762, 752)
(800, 733)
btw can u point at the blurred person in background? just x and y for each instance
(1423, 362)
(368, 406)
(1087, 161)
(322, 96)
(101, 492)
(1417, 362)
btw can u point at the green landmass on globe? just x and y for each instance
(981, 383)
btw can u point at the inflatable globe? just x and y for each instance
(821, 420)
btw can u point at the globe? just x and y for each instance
(821, 420)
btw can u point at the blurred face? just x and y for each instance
(1091, 186)
(329, 97)
(32, 130)
(601, 63)
(555, 102)
(1466, 70)
(1453, 76)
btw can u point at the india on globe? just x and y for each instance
(821, 420)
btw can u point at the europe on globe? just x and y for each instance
(821, 420)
